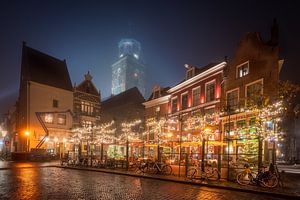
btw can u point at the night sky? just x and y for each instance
(172, 33)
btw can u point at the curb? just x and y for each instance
(27, 167)
(271, 193)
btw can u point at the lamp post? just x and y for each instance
(55, 147)
(27, 134)
(180, 141)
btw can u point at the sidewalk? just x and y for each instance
(291, 187)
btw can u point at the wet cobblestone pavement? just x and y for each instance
(40, 182)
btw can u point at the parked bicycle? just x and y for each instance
(263, 178)
(162, 168)
(209, 173)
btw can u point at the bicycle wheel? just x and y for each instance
(243, 178)
(213, 174)
(270, 181)
(191, 174)
(167, 170)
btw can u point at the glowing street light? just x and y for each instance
(27, 133)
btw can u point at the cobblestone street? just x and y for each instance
(32, 181)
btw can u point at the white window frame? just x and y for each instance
(237, 69)
(207, 83)
(229, 91)
(257, 81)
(182, 94)
(195, 88)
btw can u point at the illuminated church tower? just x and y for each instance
(129, 70)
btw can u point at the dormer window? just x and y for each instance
(190, 72)
(156, 92)
(242, 70)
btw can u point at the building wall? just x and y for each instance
(41, 100)
(152, 111)
(263, 64)
(203, 104)
(79, 115)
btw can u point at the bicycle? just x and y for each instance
(262, 178)
(209, 173)
(162, 168)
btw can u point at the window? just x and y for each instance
(174, 105)
(61, 119)
(86, 123)
(184, 101)
(252, 122)
(241, 124)
(190, 73)
(196, 96)
(233, 99)
(49, 118)
(210, 115)
(243, 69)
(87, 107)
(229, 129)
(55, 103)
(254, 93)
(210, 89)
(157, 112)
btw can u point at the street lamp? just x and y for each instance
(27, 134)
(55, 148)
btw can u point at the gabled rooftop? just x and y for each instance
(87, 86)
(132, 95)
(45, 69)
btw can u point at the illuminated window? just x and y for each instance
(184, 101)
(243, 69)
(49, 118)
(174, 105)
(86, 123)
(87, 107)
(229, 130)
(61, 119)
(136, 56)
(157, 112)
(210, 91)
(196, 96)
